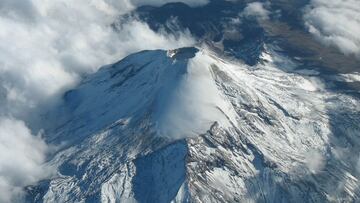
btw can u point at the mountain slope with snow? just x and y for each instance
(188, 126)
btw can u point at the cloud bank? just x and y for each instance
(46, 46)
(335, 23)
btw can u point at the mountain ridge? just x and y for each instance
(132, 133)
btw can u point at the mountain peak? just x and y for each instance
(183, 53)
(174, 88)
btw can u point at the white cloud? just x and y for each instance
(257, 10)
(336, 23)
(21, 158)
(314, 160)
(46, 46)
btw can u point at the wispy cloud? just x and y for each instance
(257, 10)
(314, 160)
(335, 23)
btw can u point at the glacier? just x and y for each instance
(188, 125)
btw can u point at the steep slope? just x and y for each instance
(188, 126)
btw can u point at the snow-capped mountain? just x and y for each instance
(187, 125)
(179, 101)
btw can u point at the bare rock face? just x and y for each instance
(183, 53)
(188, 126)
